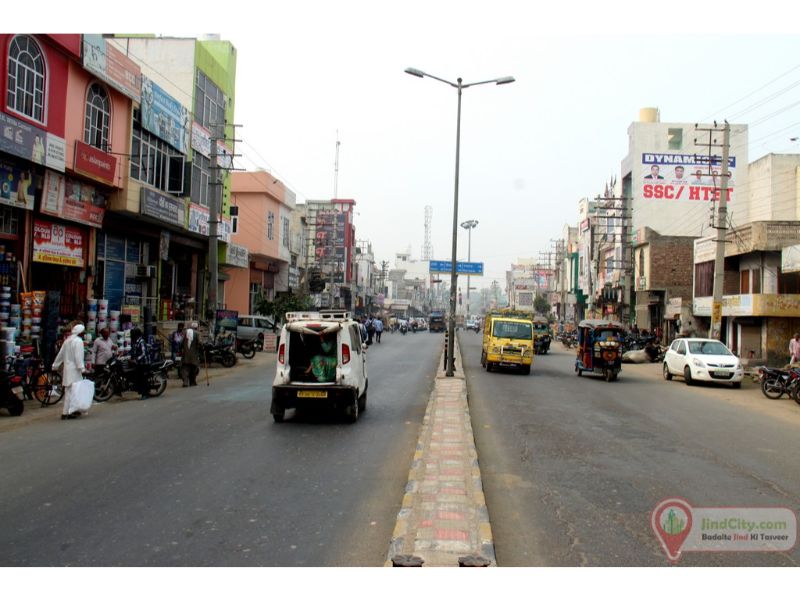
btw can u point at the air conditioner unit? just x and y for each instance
(145, 271)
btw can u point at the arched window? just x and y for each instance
(26, 78)
(98, 115)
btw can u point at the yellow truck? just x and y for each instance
(508, 340)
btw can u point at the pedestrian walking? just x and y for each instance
(378, 329)
(370, 330)
(70, 360)
(794, 349)
(190, 360)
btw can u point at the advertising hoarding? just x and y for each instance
(112, 66)
(163, 115)
(57, 244)
(685, 177)
(72, 200)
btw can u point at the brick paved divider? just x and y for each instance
(443, 516)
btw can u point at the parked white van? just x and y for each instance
(321, 360)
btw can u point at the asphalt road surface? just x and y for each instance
(202, 476)
(573, 466)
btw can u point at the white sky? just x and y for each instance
(530, 150)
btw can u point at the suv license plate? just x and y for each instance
(312, 394)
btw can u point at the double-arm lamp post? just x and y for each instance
(451, 324)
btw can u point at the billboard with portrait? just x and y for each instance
(685, 177)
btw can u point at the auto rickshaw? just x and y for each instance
(599, 348)
(541, 335)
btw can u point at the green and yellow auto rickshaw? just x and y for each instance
(599, 348)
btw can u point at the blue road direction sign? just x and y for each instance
(462, 268)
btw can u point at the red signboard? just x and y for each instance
(94, 163)
(57, 244)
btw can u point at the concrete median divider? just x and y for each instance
(443, 517)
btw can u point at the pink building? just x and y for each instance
(263, 228)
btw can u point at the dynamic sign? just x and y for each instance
(692, 177)
(462, 268)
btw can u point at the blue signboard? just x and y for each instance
(163, 115)
(462, 268)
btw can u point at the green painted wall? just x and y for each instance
(217, 59)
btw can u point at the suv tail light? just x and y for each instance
(282, 354)
(345, 354)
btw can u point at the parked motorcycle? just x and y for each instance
(116, 377)
(246, 348)
(8, 399)
(776, 382)
(221, 351)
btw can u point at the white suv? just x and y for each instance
(321, 360)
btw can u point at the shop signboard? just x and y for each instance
(163, 245)
(17, 186)
(226, 320)
(112, 66)
(57, 244)
(198, 219)
(163, 115)
(238, 256)
(162, 207)
(294, 277)
(31, 143)
(72, 200)
(201, 139)
(224, 156)
(684, 177)
(95, 163)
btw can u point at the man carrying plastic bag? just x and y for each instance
(71, 359)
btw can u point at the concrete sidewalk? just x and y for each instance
(444, 515)
(36, 412)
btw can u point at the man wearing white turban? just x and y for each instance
(71, 358)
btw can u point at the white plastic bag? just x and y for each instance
(82, 395)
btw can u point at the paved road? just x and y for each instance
(573, 466)
(202, 476)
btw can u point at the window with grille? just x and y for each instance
(26, 78)
(98, 117)
(270, 225)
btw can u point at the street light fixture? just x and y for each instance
(459, 85)
(469, 226)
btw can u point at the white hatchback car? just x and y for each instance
(321, 361)
(702, 359)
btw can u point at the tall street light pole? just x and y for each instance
(451, 325)
(469, 226)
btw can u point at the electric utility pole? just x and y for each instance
(722, 227)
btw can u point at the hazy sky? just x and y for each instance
(529, 150)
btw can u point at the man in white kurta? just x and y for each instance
(70, 357)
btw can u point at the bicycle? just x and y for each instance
(36, 382)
